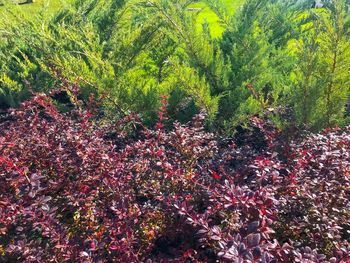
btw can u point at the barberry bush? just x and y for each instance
(77, 188)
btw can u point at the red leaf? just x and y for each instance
(216, 176)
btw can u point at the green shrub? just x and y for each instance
(273, 57)
(126, 51)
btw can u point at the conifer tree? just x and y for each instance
(321, 76)
(334, 62)
(247, 51)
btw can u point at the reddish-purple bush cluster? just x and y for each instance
(74, 188)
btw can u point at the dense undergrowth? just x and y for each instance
(95, 172)
(75, 188)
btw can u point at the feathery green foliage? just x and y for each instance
(235, 62)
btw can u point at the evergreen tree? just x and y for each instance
(320, 78)
(334, 62)
(247, 50)
(305, 75)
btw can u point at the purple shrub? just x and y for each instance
(76, 188)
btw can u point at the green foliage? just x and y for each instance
(334, 62)
(293, 56)
(321, 75)
(252, 49)
(260, 59)
(131, 52)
